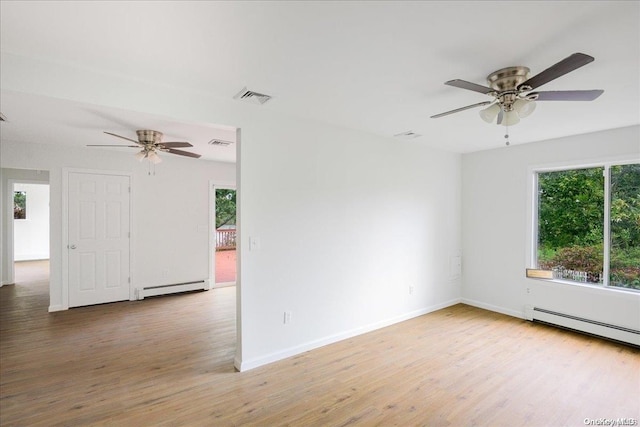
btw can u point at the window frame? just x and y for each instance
(532, 228)
(25, 205)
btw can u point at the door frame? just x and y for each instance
(10, 255)
(65, 228)
(213, 186)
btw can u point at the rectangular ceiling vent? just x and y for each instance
(220, 142)
(251, 96)
(407, 135)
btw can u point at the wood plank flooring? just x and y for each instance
(168, 361)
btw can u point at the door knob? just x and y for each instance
(72, 247)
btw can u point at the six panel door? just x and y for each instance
(99, 236)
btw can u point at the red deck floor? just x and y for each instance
(225, 266)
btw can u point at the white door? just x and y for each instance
(98, 238)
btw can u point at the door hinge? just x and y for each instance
(129, 189)
(128, 279)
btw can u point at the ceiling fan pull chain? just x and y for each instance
(506, 136)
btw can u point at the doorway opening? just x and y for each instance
(225, 236)
(25, 229)
(30, 232)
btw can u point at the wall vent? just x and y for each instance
(407, 135)
(251, 96)
(219, 142)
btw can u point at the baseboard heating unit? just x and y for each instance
(174, 288)
(592, 327)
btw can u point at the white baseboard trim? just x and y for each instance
(223, 284)
(32, 257)
(53, 308)
(292, 351)
(495, 308)
(172, 288)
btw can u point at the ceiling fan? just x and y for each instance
(513, 91)
(150, 143)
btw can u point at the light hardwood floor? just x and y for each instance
(169, 361)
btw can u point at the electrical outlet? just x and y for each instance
(287, 317)
(411, 290)
(455, 266)
(254, 244)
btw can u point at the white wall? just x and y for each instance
(495, 234)
(170, 209)
(31, 235)
(346, 223)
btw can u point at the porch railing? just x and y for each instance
(225, 239)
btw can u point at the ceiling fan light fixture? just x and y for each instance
(154, 158)
(140, 155)
(524, 107)
(510, 118)
(490, 113)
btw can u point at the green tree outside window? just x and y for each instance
(19, 205)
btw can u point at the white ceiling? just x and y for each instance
(34, 118)
(374, 66)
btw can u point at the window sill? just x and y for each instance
(587, 285)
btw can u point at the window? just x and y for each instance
(588, 225)
(625, 226)
(19, 205)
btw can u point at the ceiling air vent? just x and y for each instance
(251, 96)
(407, 135)
(219, 142)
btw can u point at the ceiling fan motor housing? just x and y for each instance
(508, 79)
(149, 136)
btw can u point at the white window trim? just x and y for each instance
(532, 216)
